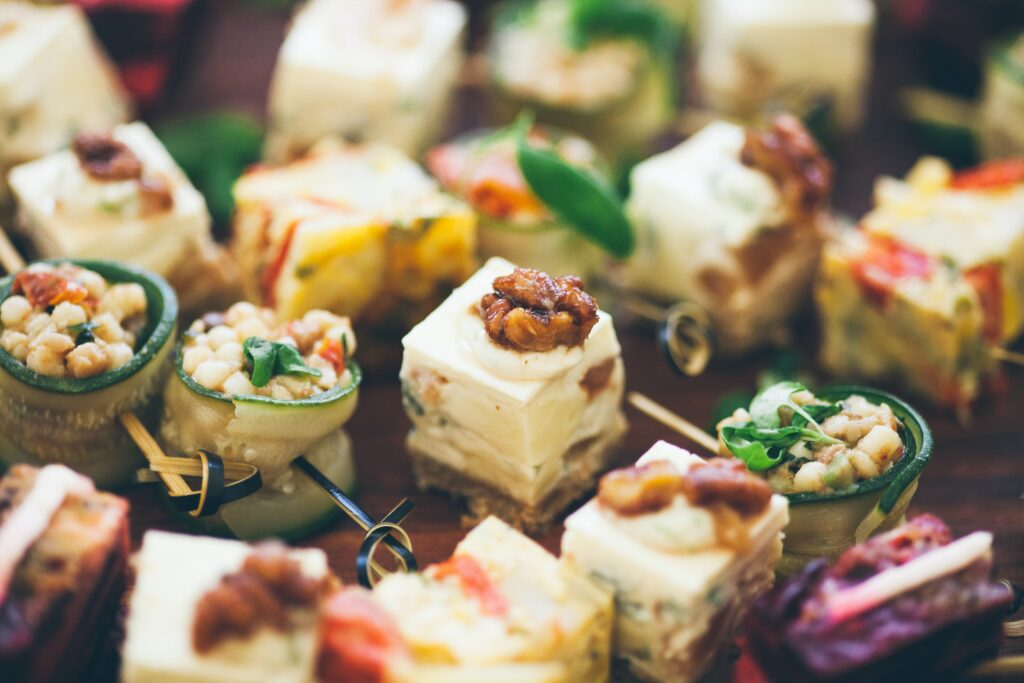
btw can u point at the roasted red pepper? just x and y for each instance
(358, 640)
(43, 289)
(333, 351)
(886, 262)
(987, 281)
(993, 175)
(273, 271)
(474, 581)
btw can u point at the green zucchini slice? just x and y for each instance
(74, 421)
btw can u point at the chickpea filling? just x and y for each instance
(246, 351)
(67, 321)
(531, 311)
(852, 440)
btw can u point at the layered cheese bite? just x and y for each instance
(118, 194)
(54, 80)
(733, 220)
(501, 610)
(360, 230)
(367, 70)
(63, 565)
(755, 53)
(614, 88)
(685, 544)
(912, 604)
(932, 280)
(514, 386)
(208, 610)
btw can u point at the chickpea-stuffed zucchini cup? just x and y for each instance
(848, 458)
(81, 342)
(254, 389)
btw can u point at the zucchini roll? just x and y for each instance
(251, 388)
(484, 169)
(81, 342)
(848, 459)
(581, 66)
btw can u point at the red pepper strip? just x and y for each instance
(474, 581)
(987, 281)
(358, 640)
(993, 175)
(273, 271)
(44, 289)
(332, 351)
(886, 262)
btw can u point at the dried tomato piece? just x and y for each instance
(46, 288)
(885, 263)
(358, 640)
(993, 175)
(474, 582)
(332, 351)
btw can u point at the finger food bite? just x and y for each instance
(81, 342)
(847, 458)
(910, 604)
(514, 386)
(368, 71)
(1002, 100)
(63, 563)
(207, 610)
(579, 67)
(733, 219)
(931, 281)
(755, 52)
(118, 194)
(251, 387)
(483, 168)
(501, 609)
(54, 80)
(359, 230)
(685, 544)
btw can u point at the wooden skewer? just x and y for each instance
(665, 416)
(1007, 356)
(10, 259)
(175, 483)
(1001, 667)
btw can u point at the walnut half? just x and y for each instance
(531, 311)
(104, 158)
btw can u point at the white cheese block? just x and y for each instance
(366, 70)
(64, 212)
(754, 51)
(54, 81)
(174, 572)
(668, 602)
(499, 409)
(702, 216)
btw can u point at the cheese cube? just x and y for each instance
(502, 609)
(174, 572)
(367, 70)
(54, 81)
(360, 230)
(716, 231)
(520, 433)
(675, 605)
(755, 51)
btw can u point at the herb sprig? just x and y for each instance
(269, 358)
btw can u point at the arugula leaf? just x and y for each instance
(577, 197)
(764, 409)
(762, 448)
(754, 454)
(269, 358)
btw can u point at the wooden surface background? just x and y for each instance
(975, 479)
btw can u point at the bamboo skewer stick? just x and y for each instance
(665, 416)
(10, 259)
(1007, 356)
(175, 483)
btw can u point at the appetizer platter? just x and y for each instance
(680, 358)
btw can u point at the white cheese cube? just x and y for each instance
(54, 81)
(64, 211)
(499, 416)
(755, 51)
(366, 70)
(673, 608)
(715, 231)
(174, 572)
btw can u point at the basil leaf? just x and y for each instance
(260, 354)
(577, 197)
(289, 362)
(637, 19)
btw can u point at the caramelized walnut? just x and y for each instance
(104, 158)
(531, 311)
(651, 487)
(155, 196)
(263, 592)
(791, 157)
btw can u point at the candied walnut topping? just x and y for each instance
(598, 378)
(104, 158)
(264, 592)
(791, 157)
(651, 487)
(531, 311)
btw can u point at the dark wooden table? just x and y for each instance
(975, 480)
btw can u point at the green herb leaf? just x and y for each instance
(764, 409)
(289, 362)
(762, 448)
(261, 355)
(577, 197)
(637, 19)
(83, 331)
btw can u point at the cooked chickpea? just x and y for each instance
(119, 355)
(212, 373)
(252, 327)
(87, 360)
(239, 312)
(124, 300)
(107, 328)
(39, 324)
(882, 443)
(279, 392)
(45, 361)
(194, 356)
(230, 352)
(864, 465)
(67, 314)
(237, 384)
(15, 343)
(810, 477)
(93, 282)
(220, 335)
(14, 310)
